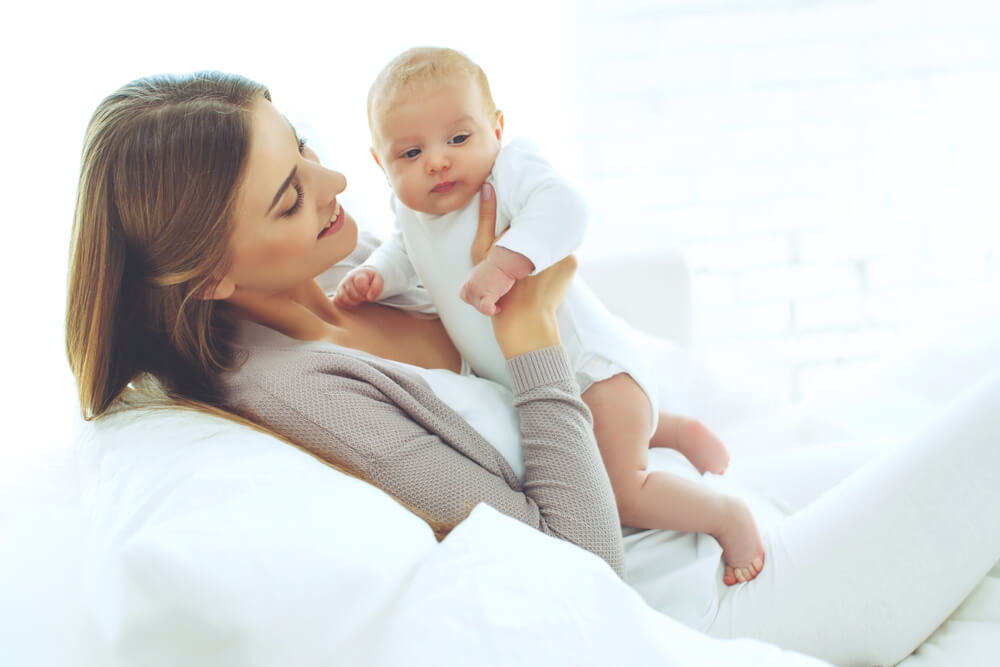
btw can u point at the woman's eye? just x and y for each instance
(459, 139)
(412, 153)
(300, 194)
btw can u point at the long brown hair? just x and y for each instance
(163, 161)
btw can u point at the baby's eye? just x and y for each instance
(412, 153)
(302, 144)
(459, 139)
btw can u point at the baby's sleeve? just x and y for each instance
(393, 263)
(548, 216)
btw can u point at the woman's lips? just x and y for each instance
(335, 225)
(443, 187)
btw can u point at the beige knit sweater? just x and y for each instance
(384, 422)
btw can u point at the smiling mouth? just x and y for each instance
(335, 222)
(443, 187)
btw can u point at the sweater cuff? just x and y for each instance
(537, 368)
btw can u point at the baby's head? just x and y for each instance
(435, 129)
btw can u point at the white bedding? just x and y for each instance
(207, 543)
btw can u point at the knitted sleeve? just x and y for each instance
(389, 426)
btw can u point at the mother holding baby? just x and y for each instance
(202, 223)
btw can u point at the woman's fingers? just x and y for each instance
(539, 294)
(485, 234)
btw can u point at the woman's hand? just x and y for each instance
(527, 317)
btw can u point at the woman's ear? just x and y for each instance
(499, 125)
(220, 290)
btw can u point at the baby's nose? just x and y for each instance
(437, 161)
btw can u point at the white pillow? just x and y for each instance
(497, 592)
(213, 544)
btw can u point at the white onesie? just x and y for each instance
(546, 218)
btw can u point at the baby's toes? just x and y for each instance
(749, 573)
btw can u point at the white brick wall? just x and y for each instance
(831, 169)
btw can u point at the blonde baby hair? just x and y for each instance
(420, 66)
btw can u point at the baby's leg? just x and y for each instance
(659, 499)
(692, 439)
(868, 570)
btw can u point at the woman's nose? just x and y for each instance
(331, 183)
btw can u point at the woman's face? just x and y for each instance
(289, 225)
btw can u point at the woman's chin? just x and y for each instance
(338, 246)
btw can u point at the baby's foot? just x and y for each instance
(702, 448)
(742, 549)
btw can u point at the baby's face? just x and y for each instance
(437, 145)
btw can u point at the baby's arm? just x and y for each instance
(548, 218)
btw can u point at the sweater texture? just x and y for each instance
(384, 422)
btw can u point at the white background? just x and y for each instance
(830, 168)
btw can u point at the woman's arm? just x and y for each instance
(387, 425)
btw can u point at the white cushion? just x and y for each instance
(212, 539)
(211, 543)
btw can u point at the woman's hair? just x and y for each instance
(163, 161)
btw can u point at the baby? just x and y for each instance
(436, 135)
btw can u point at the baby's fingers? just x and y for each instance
(487, 306)
(375, 285)
(345, 296)
(349, 293)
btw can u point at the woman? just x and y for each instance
(201, 224)
(200, 214)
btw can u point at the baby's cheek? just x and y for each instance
(403, 187)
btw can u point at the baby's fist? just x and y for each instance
(362, 284)
(485, 284)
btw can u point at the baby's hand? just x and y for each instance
(485, 284)
(362, 284)
(493, 277)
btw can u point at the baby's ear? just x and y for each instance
(499, 124)
(377, 160)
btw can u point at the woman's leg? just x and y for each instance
(794, 477)
(863, 574)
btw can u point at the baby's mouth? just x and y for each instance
(443, 187)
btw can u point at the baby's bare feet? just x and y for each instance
(702, 448)
(742, 549)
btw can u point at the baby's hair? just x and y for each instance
(423, 65)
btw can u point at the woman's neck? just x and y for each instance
(306, 313)
(303, 312)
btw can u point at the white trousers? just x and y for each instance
(879, 551)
